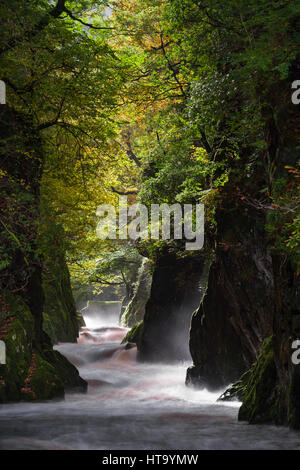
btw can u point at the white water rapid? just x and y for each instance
(131, 405)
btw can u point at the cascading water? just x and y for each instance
(102, 313)
(130, 405)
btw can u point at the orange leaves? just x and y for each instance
(293, 170)
(27, 389)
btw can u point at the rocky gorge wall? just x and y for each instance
(244, 325)
(135, 310)
(251, 310)
(33, 370)
(237, 309)
(176, 290)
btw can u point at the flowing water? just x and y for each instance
(132, 406)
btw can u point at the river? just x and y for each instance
(132, 406)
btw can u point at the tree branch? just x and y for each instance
(89, 25)
(130, 152)
(104, 282)
(55, 12)
(123, 193)
(171, 66)
(38, 27)
(205, 141)
(54, 121)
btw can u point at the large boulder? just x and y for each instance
(177, 287)
(134, 335)
(33, 371)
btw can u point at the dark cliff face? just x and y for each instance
(252, 299)
(250, 314)
(236, 312)
(243, 326)
(175, 293)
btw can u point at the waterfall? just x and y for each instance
(101, 313)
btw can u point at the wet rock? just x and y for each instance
(236, 311)
(175, 294)
(236, 391)
(28, 373)
(67, 372)
(134, 335)
(195, 378)
(60, 318)
(252, 296)
(259, 391)
(135, 310)
(33, 371)
(130, 345)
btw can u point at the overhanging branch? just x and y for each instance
(38, 27)
(89, 25)
(55, 12)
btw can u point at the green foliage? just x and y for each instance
(118, 267)
(66, 79)
(171, 99)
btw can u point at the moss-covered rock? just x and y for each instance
(27, 374)
(67, 372)
(236, 391)
(135, 334)
(259, 394)
(80, 319)
(60, 318)
(43, 381)
(17, 332)
(237, 309)
(256, 385)
(135, 310)
(33, 370)
(259, 390)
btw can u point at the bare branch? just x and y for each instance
(130, 152)
(266, 205)
(89, 25)
(98, 280)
